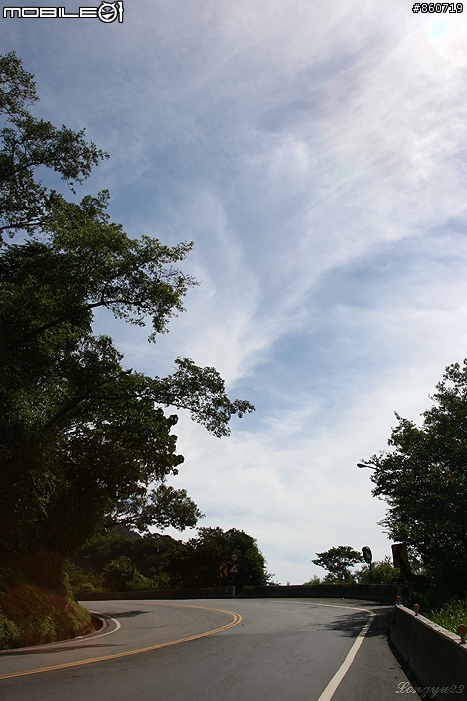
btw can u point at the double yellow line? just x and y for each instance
(236, 618)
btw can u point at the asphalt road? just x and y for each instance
(215, 650)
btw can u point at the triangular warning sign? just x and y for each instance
(234, 569)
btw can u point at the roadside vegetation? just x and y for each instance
(423, 479)
(41, 609)
(450, 615)
(338, 562)
(126, 561)
(85, 443)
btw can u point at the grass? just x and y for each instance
(31, 615)
(450, 615)
(36, 603)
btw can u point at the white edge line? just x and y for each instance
(334, 606)
(329, 691)
(109, 632)
(340, 606)
(331, 688)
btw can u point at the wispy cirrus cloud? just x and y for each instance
(315, 154)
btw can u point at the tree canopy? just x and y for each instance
(337, 562)
(195, 563)
(424, 481)
(84, 442)
(123, 560)
(29, 143)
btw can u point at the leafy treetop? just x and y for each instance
(337, 562)
(29, 143)
(424, 481)
(84, 442)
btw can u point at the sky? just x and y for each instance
(315, 154)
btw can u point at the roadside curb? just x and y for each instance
(432, 655)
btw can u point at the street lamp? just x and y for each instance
(362, 464)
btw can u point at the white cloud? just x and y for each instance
(314, 154)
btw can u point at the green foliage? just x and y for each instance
(123, 575)
(314, 580)
(165, 563)
(40, 612)
(30, 143)
(163, 506)
(35, 616)
(450, 615)
(337, 562)
(381, 572)
(10, 633)
(84, 442)
(80, 580)
(162, 581)
(424, 482)
(146, 553)
(195, 563)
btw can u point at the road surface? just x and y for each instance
(215, 650)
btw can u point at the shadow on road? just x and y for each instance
(351, 625)
(122, 614)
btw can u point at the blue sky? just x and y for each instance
(315, 154)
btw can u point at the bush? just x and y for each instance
(450, 615)
(34, 616)
(382, 572)
(163, 581)
(10, 634)
(36, 603)
(122, 575)
(79, 580)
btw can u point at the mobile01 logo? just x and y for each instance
(106, 12)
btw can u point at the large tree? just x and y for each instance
(337, 562)
(29, 143)
(196, 563)
(84, 442)
(424, 481)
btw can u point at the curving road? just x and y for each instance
(216, 650)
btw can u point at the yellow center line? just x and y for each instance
(236, 619)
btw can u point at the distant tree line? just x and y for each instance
(125, 561)
(338, 562)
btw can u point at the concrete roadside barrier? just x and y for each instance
(367, 592)
(433, 655)
(203, 593)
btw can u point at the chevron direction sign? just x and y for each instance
(399, 555)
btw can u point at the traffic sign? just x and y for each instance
(399, 555)
(367, 556)
(234, 557)
(223, 571)
(234, 569)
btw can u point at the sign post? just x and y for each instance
(400, 560)
(234, 568)
(367, 556)
(399, 556)
(223, 571)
